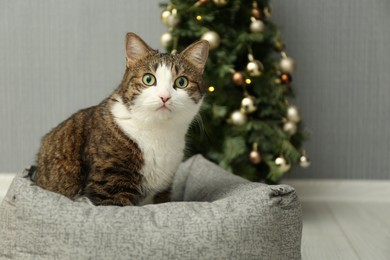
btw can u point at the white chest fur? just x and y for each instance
(158, 127)
(162, 144)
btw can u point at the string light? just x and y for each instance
(198, 17)
(248, 81)
(211, 89)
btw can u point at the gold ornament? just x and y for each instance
(286, 78)
(267, 11)
(279, 45)
(255, 10)
(304, 162)
(282, 164)
(256, 13)
(173, 19)
(254, 155)
(238, 78)
(237, 118)
(293, 114)
(166, 39)
(254, 67)
(248, 105)
(220, 2)
(164, 16)
(213, 39)
(286, 64)
(256, 26)
(290, 128)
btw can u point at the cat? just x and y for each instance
(126, 150)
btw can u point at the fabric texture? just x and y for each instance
(213, 215)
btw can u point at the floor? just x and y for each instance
(343, 220)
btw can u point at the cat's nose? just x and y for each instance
(165, 98)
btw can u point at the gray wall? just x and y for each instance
(342, 50)
(59, 56)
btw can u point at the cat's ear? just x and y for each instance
(136, 49)
(197, 53)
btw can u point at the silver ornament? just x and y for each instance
(213, 39)
(256, 26)
(238, 118)
(304, 162)
(282, 164)
(255, 68)
(290, 127)
(166, 39)
(293, 114)
(248, 104)
(287, 65)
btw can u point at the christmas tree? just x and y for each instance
(247, 124)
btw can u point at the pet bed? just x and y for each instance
(213, 215)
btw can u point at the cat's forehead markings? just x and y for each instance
(164, 73)
(155, 66)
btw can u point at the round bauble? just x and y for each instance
(279, 45)
(286, 78)
(220, 2)
(248, 104)
(290, 128)
(255, 157)
(304, 162)
(173, 19)
(238, 118)
(166, 39)
(293, 114)
(267, 11)
(287, 65)
(238, 79)
(213, 39)
(256, 13)
(255, 68)
(257, 26)
(282, 164)
(164, 16)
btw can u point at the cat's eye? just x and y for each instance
(181, 82)
(148, 79)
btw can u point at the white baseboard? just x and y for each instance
(342, 190)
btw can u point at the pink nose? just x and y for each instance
(165, 98)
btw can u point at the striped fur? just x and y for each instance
(126, 149)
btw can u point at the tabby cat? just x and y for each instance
(126, 150)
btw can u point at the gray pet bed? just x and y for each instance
(214, 215)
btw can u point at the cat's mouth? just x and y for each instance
(164, 108)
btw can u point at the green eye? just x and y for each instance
(181, 82)
(148, 79)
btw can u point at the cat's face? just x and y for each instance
(161, 87)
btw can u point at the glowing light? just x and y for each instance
(198, 17)
(248, 81)
(211, 89)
